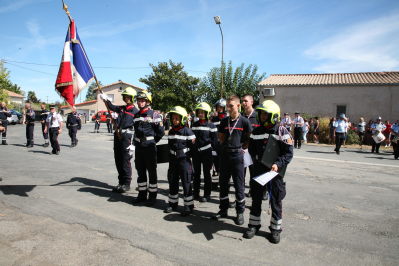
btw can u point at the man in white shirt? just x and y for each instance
(286, 122)
(340, 128)
(377, 127)
(54, 127)
(298, 123)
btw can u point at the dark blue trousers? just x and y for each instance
(146, 160)
(232, 165)
(96, 125)
(30, 128)
(4, 134)
(297, 136)
(204, 158)
(277, 193)
(122, 159)
(45, 135)
(180, 169)
(54, 139)
(215, 161)
(72, 133)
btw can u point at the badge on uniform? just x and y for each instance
(147, 119)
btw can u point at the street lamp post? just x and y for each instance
(218, 21)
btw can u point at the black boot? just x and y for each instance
(275, 236)
(251, 232)
(151, 201)
(219, 215)
(4, 143)
(140, 198)
(232, 205)
(115, 189)
(170, 209)
(196, 195)
(205, 199)
(187, 211)
(265, 195)
(45, 145)
(239, 219)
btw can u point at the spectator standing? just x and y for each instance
(375, 128)
(298, 123)
(286, 122)
(348, 126)
(316, 129)
(331, 125)
(361, 127)
(305, 130)
(387, 134)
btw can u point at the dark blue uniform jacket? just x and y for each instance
(145, 125)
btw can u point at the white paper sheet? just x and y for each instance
(264, 178)
(247, 159)
(214, 153)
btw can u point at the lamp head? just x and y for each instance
(217, 20)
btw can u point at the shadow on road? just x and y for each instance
(326, 152)
(85, 181)
(19, 190)
(18, 145)
(44, 152)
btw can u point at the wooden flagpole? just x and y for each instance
(65, 7)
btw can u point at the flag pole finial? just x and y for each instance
(65, 7)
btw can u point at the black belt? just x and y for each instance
(232, 150)
(55, 128)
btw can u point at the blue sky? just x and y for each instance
(281, 37)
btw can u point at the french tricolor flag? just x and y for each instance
(75, 72)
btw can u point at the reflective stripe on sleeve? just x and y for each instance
(181, 137)
(224, 198)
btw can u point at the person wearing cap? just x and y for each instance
(286, 122)
(43, 117)
(123, 148)
(73, 125)
(395, 144)
(206, 138)
(181, 142)
(340, 128)
(377, 127)
(148, 131)
(54, 127)
(4, 113)
(268, 117)
(29, 120)
(234, 132)
(298, 124)
(220, 106)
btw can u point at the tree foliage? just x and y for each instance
(32, 97)
(91, 95)
(5, 82)
(236, 81)
(171, 86)
(4, 96)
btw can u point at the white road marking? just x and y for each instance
(340, 161)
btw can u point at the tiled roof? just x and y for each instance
(77, 104)
(119, 82)
(367, 78)
(13, 94)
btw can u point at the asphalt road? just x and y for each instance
(59, 210)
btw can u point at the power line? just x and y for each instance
(30, 69)
(8, 61)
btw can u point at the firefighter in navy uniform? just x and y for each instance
(234, 132)
(268, 117)
(181, 142)
(73, 125)
(123, 148)
(4, 113)
(29, 120)
(43, 117)
(250, 114)
(148, 131)
(206, 140)
(220, 106)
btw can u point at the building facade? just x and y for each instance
(366, 95)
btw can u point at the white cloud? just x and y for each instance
(15, 5)
(367, 46)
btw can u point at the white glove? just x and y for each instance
(131, 149)
(103, 97)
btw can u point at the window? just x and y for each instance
(341, 109)
(110, 97)
(120, 89)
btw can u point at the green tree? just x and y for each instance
(91, 95)
(236, 81)
(5, 82)
(4, 96)
(32, 97)
(171, 86)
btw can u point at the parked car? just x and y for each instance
(15, 117)
(103, 116)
